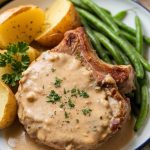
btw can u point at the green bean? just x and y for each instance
(126, 47)
(128, 36)
(107, 44)
(100, 51)
(78, 3)
(122, 55)
(144, 62)
(144, 108)
(146, 39)
(130, 30)
(139, 35)
(121, 15)
(137, 92)
(108, 19)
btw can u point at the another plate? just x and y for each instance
(115, 6)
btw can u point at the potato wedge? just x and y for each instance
(61, 16)
(33, 53)
(22, 23)
(8, 106)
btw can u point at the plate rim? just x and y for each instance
(6, 2)
(146, 9)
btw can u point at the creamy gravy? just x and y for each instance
(60, 104)
(17, 139)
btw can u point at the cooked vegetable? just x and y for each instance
(8, 106)
(144, 62)
(126, 47)
(107, 44)
(139, 35)
(20, 24)
(128, 37)
(121, 15)
(61, 16)
(33, 53)
(80, 4)
(123, 56)
(101, 14)
(100, 51)
(130, 30)
(144, 107)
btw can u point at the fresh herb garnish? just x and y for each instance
(57, 82)
(83, 94)
(87, 111)
(66, 115)
(71, 104)
(53, 69)
(16, 56)
(53, 97)
(61, 105)
(74, 92)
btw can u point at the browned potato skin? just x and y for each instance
(54, 36)
(10, 111)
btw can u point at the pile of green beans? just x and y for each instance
(116, 42)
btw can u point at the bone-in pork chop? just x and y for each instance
(65, 104)
(76, 43)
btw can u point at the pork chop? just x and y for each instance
(65, 104)
(76, 43)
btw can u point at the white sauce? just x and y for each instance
(85, 125)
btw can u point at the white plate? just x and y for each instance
(115, 6)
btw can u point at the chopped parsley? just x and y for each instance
(53, 97)
(15, 56)
(86, 111)
(53, 69)
(61, 105)
(71, 104)
(83, 94)
(57, 82)
(66, 115)
(74, 92)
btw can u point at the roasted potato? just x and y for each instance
(8, 106)
(33, 53)
(22, 23)
(61, 16)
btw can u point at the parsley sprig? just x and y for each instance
(15, 56)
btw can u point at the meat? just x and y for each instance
(76, 43)
(69, 99)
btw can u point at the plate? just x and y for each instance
(143, 136)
